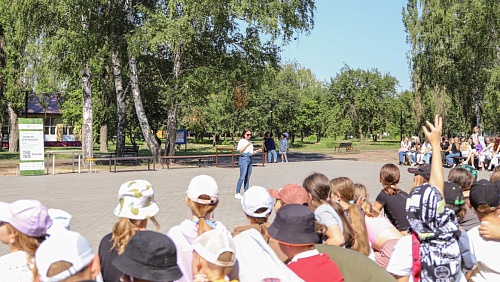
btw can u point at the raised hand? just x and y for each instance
(434, 131)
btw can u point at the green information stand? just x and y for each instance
(31, 148)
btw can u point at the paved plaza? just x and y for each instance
(91, 198)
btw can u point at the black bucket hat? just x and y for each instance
(149, 256)
(294, 225)
(423, 170)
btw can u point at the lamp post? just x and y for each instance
(271, 121)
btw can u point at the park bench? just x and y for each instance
(198, 159)
(347, 145)
(114, 160)
(129, 151)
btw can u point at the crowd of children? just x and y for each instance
(323, 230)
(477, 151)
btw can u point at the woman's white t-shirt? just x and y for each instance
(242, 143)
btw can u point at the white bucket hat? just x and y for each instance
(136, 200)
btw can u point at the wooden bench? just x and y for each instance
(200, 159)
(129, 151)
(114, 160)
(347, 145)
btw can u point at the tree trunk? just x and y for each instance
(104, 138)
(172, 112)
(87, 125)
(171, 130)
(478, 108)
(121, 107)
(14, 130)
(147, 133)
(2, 64)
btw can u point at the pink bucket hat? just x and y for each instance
(29, 217)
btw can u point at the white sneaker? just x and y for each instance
(238, 196)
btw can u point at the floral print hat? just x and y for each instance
(136, 200)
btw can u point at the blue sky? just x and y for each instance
(363, 34)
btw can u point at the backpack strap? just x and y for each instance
(415, 253)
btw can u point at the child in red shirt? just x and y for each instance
(294, 229)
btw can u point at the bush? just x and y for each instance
(331, 145)
(312, 138)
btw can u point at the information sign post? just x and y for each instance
(31, 147)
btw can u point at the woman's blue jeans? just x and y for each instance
(245, 172)
(450, 156)
(402, 155)
(273, 154)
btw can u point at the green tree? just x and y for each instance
(362, 96)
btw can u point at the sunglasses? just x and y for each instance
(248, 134)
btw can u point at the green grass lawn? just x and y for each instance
(326, 145)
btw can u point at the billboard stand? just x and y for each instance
(31, 146)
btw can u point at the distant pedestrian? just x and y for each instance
(270, 147)
(245, 148)
(284, 147)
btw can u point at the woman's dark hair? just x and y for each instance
(389, 177)
(244, 132)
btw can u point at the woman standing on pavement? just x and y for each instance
(245, 148)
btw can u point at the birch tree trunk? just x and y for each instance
(171, 130)
(172, 112)
(87, 125)
(14, 129)
(121, 107)
(147, 133)
(104, 138)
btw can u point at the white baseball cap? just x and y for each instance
(211, 244)
(203, 185)
(68, 246)
(255, 198)
(61, 221)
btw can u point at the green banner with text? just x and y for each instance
(31, 146)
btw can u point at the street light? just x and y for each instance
(271, 122)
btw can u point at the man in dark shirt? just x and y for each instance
(270, 147)
(444, 148)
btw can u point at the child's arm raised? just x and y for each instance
(434, 136)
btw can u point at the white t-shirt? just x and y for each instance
(486, 252)
(242, 143)
(401, 260)
(14, 268)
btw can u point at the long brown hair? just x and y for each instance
(462, 177)
(317, 186)
(125, 229)
(344, 187)
(24, 242)
(360, 192)
(201, 210)
(245, 130)
(389, 177)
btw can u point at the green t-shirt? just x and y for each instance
(355, 266)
